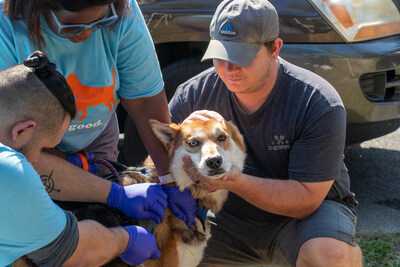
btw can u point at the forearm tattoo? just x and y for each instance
(48, 182)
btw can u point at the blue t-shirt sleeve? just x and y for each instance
(7, 43)
(15, 45)
(138, 67)
(29, 218)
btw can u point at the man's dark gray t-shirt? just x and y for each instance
(298, 133)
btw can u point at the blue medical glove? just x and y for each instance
(141, 246)
(181, 204)
(76, 160)
(141, 201)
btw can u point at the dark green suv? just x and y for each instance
(354, 44)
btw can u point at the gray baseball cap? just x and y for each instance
(239, 28)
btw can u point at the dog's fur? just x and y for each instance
(214, 147)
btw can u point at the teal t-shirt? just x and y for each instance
(29, 219)
(119, 61)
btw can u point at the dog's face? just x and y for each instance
(213, 146)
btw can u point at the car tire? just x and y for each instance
(133, 152)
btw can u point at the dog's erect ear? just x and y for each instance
(165, 132)
(235, 134)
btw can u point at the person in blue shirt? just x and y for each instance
(105, 52)
(36, 107)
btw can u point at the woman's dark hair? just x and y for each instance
(53, 80)
(31, 10)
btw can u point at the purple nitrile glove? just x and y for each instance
(181, 204)
(141, 201)
(141, 246)
(76, 160)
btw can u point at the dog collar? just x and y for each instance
(201, 214)
(166, 179)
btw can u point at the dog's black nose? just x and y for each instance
(214, 162)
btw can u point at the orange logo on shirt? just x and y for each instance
(89, 96)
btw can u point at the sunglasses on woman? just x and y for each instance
(70, 29)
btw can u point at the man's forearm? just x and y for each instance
(285, 197)
(64, 181)
(97, 244)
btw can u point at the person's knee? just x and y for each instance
(328, 252)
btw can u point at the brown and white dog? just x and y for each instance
(214, 147)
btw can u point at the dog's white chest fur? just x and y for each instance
(189, 255)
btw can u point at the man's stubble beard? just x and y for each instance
(260, 84)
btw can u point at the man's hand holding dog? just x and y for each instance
(229, 180)
(142, 201)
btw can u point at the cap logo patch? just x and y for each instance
(228, 30)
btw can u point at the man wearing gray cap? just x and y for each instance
(292, 205)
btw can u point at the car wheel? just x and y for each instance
(133, 152)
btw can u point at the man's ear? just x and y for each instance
(22, 132)
(277, 47)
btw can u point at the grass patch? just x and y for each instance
(380, 249)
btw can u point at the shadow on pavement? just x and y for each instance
(375, 179)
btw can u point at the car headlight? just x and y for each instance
(358, 20)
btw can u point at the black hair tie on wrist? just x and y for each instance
(40, 63)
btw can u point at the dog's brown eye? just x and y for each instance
(222, 138)
(193, 143)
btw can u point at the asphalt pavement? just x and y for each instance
(374, 168)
